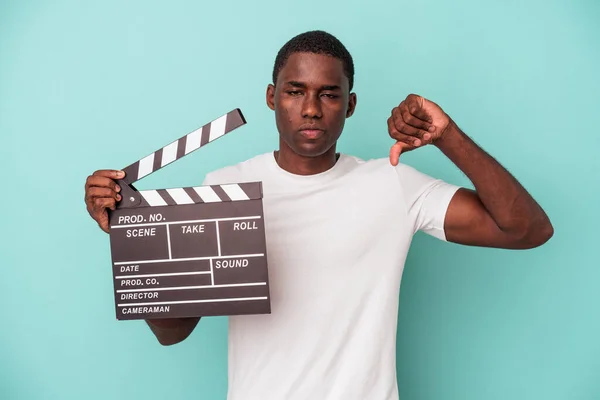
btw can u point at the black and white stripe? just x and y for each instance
(185, 145)
(201, 194)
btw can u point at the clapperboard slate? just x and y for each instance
(189, 252)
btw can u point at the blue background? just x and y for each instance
(100, 84)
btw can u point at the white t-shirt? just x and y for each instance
(336, 246)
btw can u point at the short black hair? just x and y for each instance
(318, 42)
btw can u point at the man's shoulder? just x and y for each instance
(379, 162)
(257, 167)
(382, 168)
(244, 171)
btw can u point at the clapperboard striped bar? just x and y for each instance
(200, 194)
(184, 146)
(193, 251)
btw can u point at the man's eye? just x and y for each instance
(331, 96)
(293, 92)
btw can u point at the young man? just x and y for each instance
(338, 230)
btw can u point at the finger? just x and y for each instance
(101, 181)
(102, 203)
(402, 126)
(425, 137)
(99, 192)
(395, 151)
(110, 173)
(415, 105)
(414, 121)
(401, 136)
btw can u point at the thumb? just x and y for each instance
(396, 150)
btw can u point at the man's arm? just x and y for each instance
(499, 212)
(172, 330)
(102, 194)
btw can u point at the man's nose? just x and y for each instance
(311, 107)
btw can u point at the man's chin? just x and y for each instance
(307, 148)
(311, 149)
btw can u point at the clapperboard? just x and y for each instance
(189, 252)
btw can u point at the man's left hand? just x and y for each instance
(414, 123)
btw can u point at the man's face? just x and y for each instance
(311, 101)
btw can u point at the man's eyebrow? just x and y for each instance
(296, 84)
(303, 86)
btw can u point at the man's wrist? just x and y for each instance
(449, 137)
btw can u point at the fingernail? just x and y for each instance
(417, 142)
(119, 197)
(120, 174)
(432, 128)
(117, 188)
(426, 136)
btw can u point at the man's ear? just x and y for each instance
(271, 96)
(351, 105)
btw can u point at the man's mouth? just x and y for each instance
(311, 133)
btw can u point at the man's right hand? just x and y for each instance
(101, 193)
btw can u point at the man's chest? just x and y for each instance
(333, 224)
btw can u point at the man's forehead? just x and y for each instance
(313, 67)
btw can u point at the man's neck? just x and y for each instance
(301, 165)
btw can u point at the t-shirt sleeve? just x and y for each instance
(219, 177)
(427, 200)
(209, 179)
(223, 176)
